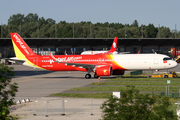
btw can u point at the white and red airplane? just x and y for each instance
(112, 50)
(101, 64)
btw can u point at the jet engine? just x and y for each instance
(118, 72)
(104, 71)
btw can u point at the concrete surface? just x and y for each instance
(38, 84)
(51, 108)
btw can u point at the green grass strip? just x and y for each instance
(84, 95)
(149, 88)
(136, 83)
(143, 79)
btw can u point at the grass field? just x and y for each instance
(84, 95)
(155, 83)
(114, 88)
(140, 78)
(142, 83)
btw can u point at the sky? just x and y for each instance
(157, 12)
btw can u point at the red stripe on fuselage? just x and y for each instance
(47, 62)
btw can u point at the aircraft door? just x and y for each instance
(34, 60)
(101, 60)
(155, 59)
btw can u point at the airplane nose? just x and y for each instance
(174, 64)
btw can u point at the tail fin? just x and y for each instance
(172, 49)
(114, 45)
(139, 51)
(65, 52)
(22, 50)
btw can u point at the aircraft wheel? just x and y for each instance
(88, 76)
(95, 76)
(166, 76)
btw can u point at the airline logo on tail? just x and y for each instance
(21, 43)
(20, 46)
(114, 44)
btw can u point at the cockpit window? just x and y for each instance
(165, 59)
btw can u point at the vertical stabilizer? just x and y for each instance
(21, 49)
(114, 45)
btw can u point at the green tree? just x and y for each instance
(132, 32)
(42, 21)
(65, 30)
(177, 35)
(31, 18)
(86, 30)
(7, 90)
(151, 31)
(135, 106)
(50, 21)
(31, 23)
(113, 32)
(135, 23)
(28, 29)
(16, 19)
(6, 31)
(118, 25)
(164, 32)
(51, 31)
(121, 33)
(44, 33)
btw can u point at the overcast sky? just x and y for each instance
(163, 12)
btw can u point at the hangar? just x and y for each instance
(78, 45)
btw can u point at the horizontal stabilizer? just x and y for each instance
(16, 61)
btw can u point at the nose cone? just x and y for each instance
(173, 64)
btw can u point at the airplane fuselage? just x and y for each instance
(117, 61)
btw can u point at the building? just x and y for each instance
(77, 45)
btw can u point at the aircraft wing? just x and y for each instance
(87, 66)
(81, 65)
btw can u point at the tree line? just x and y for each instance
(33, 26)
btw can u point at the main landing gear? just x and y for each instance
(88, 76)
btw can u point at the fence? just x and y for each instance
(59, 107)
(171, 95)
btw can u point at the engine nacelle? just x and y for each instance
(104, 71)
(118, 72)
